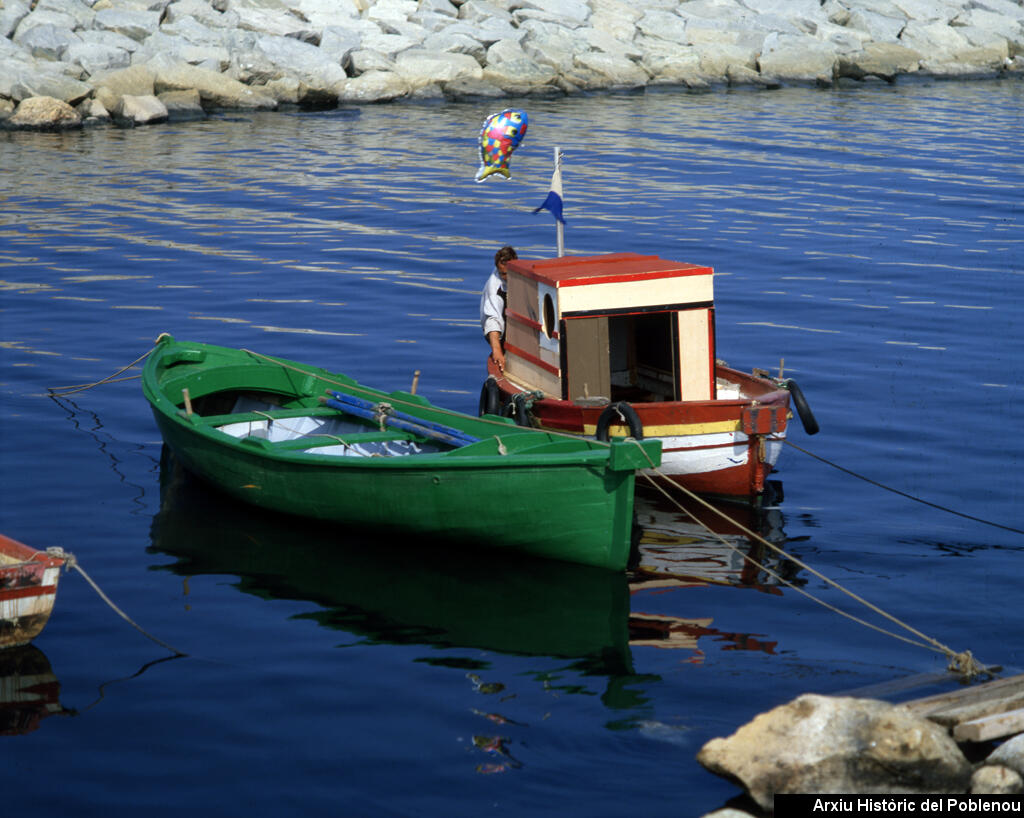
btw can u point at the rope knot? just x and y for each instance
(965, 665)
(381, 412)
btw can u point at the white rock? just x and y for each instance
(80, 10)
(198, 10)
(44, 113)
(824, 744)
(183, 104)
(682, 69)
(142, 110)
(994, 779)
(880, 27)
(476, 10)
(215, 89)
(43, 17)
(389, 44)
(431, 22)
(1009, 754)
(48, 42)
(1007, 8)
(111, 39)
(19, 81)
(373, 86)
(338, 43)
(366, 60)
(137, 25)
(191, 29)
(520, 76)
(456, 43)
(419, 67)
(613, 25)
(95, 57)
(322, 13)
(664, 25)
(13, 12)
(310, 65)
(787, 57)
(600, 40)
(572, 13)
(505, 51)
(883, 60)
(263, 21)
(936, 40)
(717, 60)
(92, 112)
(619, 71)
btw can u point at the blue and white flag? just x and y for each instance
(554, 200)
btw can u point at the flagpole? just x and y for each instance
(559, 226)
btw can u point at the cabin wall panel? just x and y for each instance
(522, 296)
(696, 289)
(531, 376)
(696, 381)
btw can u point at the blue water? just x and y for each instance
(872, 239)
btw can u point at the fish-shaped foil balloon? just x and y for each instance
(500, 135)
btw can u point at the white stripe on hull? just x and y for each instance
(701, 454)
(12, 609)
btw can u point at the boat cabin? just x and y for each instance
(619, 327)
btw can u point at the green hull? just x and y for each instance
(548, 495)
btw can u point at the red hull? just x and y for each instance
(723, 447)
(28, 588)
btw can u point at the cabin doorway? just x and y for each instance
(622, 357)
(642, 356)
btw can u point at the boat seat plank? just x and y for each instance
(315, 441)
(276, 414)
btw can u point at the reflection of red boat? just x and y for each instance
(29, 690)
(28, 589)
(625, 344)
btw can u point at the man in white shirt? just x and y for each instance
(492, 305)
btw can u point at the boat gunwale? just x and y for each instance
(585, 452)
(20, 554)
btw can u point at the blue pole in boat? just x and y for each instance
(400, 420)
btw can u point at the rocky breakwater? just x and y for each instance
(829, 745)
(65, 62)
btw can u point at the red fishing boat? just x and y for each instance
(624, 344)
(28, 589)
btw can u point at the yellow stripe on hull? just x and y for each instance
(674, 430)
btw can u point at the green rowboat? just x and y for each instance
(305, 441)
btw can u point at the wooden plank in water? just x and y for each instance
(993, 709)
(991, 727)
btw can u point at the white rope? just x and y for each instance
(963, 662)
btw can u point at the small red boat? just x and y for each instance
(28, 589)
(624, 344)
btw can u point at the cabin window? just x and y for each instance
(548, 316)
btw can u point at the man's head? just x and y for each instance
(503, 257)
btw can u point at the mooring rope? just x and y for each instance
(61, 391)
(70, 561)
(901, 493)
(961, 662)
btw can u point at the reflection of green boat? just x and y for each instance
(261, 429)
(404, 592)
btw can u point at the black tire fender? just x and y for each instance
(803, 408)
(490, 398)
(617, 413)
